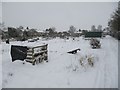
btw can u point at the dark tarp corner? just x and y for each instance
(18, 52)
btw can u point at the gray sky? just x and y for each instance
(0, 12)
(60, 15)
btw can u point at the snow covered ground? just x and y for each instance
(119, 64)
(0, 64)
(63, 70)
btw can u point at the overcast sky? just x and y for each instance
(0, 12)
(60, 15)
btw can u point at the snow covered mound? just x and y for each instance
(88, 68)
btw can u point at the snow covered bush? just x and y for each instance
(81, 63)
(88, 60)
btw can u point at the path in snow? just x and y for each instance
(107, 73)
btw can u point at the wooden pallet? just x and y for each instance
(37, 54)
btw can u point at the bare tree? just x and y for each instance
(72, 30)
(93, 28)
(99, 28)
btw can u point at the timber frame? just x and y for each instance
(39, 56)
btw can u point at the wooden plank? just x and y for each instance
(40, 46)
(29, 53)
(29, 57)
(44, 51)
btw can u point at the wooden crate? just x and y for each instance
(37, 54)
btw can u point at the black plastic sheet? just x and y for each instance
(18, 52)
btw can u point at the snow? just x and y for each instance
(0, 64)
(63, 70)
(118, 64)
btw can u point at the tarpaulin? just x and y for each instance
(18, 52)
